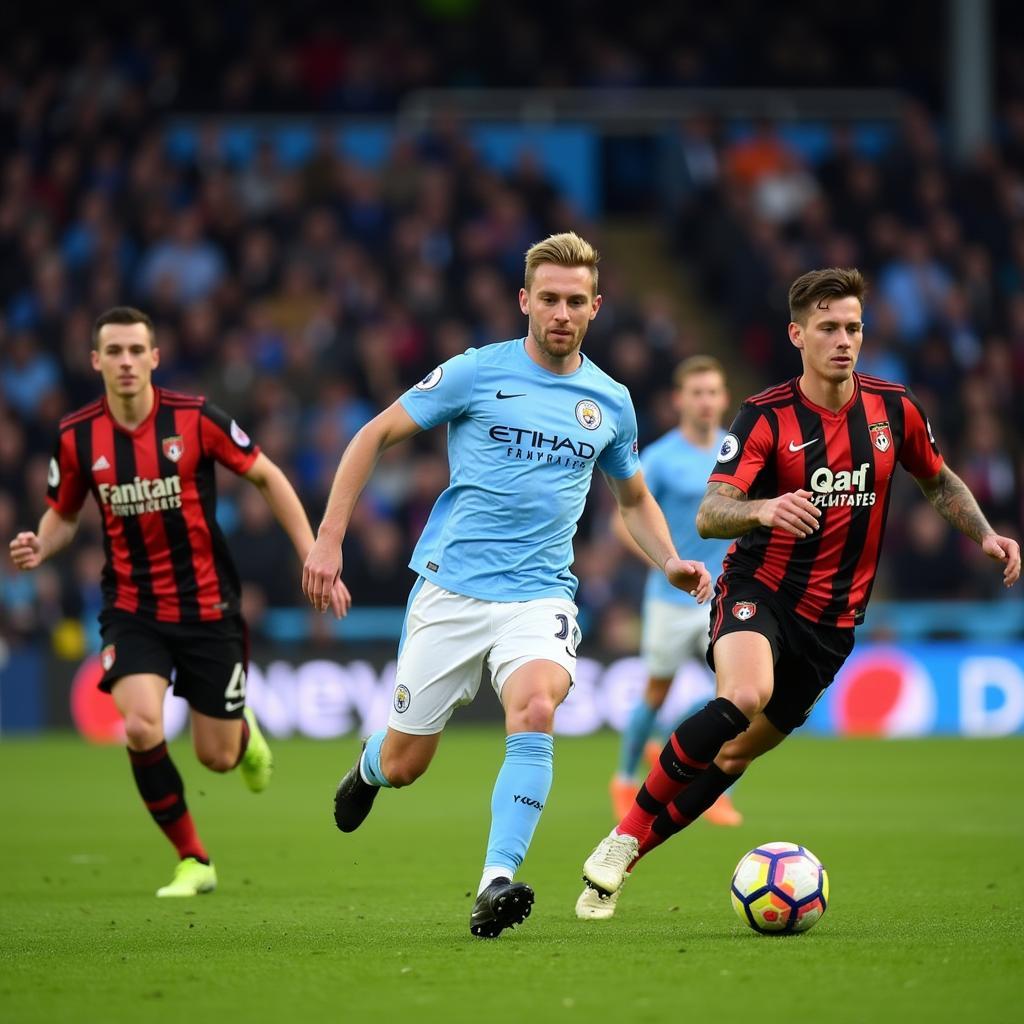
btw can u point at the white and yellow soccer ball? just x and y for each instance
(780, 888)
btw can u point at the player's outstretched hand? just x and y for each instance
(320, 572)
(27, 551)
(791, 512)
(341, 599)
(1004, 549)
(691, 576)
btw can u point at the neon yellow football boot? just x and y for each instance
(191, 878)
(257, 762)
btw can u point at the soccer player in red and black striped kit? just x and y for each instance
(170, 590)
(803, 481)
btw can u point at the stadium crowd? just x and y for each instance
(304, 298)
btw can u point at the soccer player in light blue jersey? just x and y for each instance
(528, 420)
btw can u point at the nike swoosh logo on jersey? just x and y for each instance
(798, 447)
(501, 394)
(234, 706)
(101, 463)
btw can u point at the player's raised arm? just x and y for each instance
(953, 500)
(646, 524)
(29, 550)
(323, 563)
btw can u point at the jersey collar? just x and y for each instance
(821, 410)
(525, 357)
(132, 432)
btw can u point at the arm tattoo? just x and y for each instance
(725, 512)
(953, 500)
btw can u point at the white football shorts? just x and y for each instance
(449, 638)
(672, 634)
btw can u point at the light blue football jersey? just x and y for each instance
(522, 446)
(677, 474)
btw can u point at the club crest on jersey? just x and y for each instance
(174, 447)
(744, 610)
(108, 656)
(588, 414)
(402, 698)
(881, 437)
(431, 380)
(730, 448)
(239, 436)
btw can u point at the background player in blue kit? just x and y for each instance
(528, 420)
(674, 629)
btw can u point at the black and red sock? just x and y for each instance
(163, 793)
(689, 751)
(688, 806)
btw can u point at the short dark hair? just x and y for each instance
(121, 315)
(808, 290)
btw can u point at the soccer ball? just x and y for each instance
(780, 888)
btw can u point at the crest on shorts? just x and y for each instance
(174, 447)
(577, 639)
(402, 698)
(107, 657)
(589, 414)
(881, 436)
(744, 610)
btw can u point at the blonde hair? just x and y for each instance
(564, 250)
(697, 364)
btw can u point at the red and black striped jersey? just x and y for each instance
(782, 442)
(155, 486)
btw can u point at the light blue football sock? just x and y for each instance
(520, 792)
(634, 736)
(369, 764)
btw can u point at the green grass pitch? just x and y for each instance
(924, 842)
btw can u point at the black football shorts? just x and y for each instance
(807, 655)
(207, 661)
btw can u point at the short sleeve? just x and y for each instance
(66, 485)
(919, 454)
(746, 449)
(444, 394)
(651, 464)
(225, 440)
(619, 458)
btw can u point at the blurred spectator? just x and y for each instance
(927, 560)
(27, 375)
(261, 550)
(915, 287)
(377, 571)
(184, 267)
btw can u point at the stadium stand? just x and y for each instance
(303, 286)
